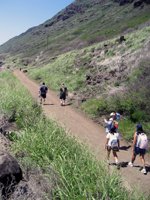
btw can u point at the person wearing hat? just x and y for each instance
(140, 144)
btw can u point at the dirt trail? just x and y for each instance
(88, 132)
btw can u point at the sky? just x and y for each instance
(17, 16)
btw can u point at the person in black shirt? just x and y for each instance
(63, 94)
(43, 91)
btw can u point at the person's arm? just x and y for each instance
(107, 140)
(106, 143)
(66, 91)
(118, 143)
(40, 91)
(105, 120)
(134, 140)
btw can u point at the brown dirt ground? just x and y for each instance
(90, 133)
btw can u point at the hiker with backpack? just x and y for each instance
(43, 91)
(112, 144)
(140, 145)
(63, 94)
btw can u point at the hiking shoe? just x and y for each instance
(118, 166)
(108, 162)
(143, 171)
(130, 164)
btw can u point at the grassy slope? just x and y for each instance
(71, 69)
(97, 22)
(77, 174)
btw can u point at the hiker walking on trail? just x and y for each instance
(140, 145)
(108, 124)
(112, 144)
(63, 94)
(43, 91)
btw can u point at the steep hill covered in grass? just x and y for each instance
(82, 23)
(80, 46)
(106, 76)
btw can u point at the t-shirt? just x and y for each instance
(43, 89)
(108, 125)
(112, 137)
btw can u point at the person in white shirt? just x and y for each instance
(112, 144)
(108, 124)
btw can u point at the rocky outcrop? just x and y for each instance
(10, 173)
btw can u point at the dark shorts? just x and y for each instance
(63, 96)
(109, 148)
(139, 151)
(43, 96)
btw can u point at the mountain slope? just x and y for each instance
(78, 25)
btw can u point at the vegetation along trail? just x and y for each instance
(90, 133)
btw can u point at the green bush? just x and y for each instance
(94, 107)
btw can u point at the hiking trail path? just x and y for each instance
(89, 133)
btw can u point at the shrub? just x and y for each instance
(94, 107)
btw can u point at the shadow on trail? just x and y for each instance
(68, 104)
(48, 104)
(124, 148)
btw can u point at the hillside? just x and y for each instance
(80, 24)
(81, 45)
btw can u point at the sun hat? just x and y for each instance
(112, 114)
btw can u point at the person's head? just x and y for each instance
(113, 130)
(112, 114)
(139, 128)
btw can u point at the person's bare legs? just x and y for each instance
(133, 158)
(61, 102)
(41, 100)
(108, 154)
(142, 160)
(115, 156)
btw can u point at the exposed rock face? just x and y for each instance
(10, 173)
(138, 3)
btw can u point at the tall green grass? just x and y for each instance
(78, 174)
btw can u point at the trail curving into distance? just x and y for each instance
(88, 132)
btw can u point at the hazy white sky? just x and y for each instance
(16, 16)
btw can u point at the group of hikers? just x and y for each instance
(140, 141)
(62, 95)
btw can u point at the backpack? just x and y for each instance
(117, 116)
(142, 141)
(114, 144)
(43, 89)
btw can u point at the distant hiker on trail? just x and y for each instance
(63, 94)
(116, 116)
(43, 91)
(112, 144)
(140, 145)
(108, 124)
